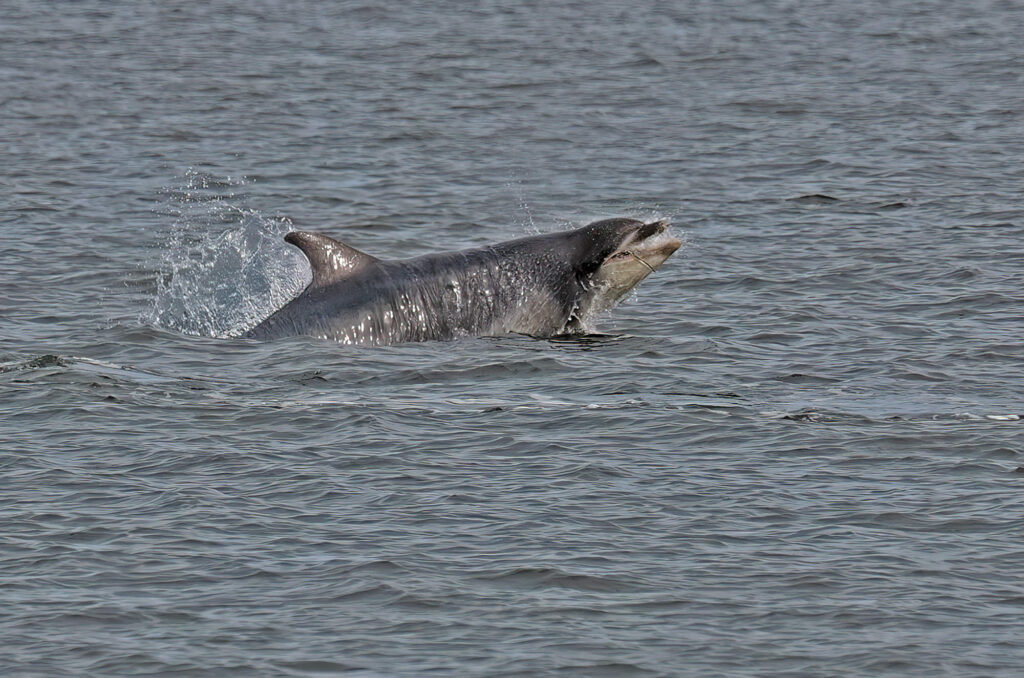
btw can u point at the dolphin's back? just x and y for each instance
(520, 286)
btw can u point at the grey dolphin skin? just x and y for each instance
(542, 286)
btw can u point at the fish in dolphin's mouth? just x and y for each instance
(650, 245)
(639, 254)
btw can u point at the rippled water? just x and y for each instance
(794, 451)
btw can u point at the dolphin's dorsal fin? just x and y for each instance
(330, 260)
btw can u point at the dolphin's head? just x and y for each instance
(616, 254)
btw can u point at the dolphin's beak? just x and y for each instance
(643, 249)
(650, 245)
(654, 244)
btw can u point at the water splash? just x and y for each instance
(224, 266)
(515, 185)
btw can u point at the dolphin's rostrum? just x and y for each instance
(541, 286)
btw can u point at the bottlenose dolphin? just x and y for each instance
(543, 285)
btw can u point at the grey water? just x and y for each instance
(795, 450)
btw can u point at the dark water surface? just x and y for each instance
(793, 451)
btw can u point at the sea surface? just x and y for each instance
(795, 450)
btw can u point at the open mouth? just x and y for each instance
(642, 249)
(650, 245)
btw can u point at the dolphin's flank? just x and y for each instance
(540, 286)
